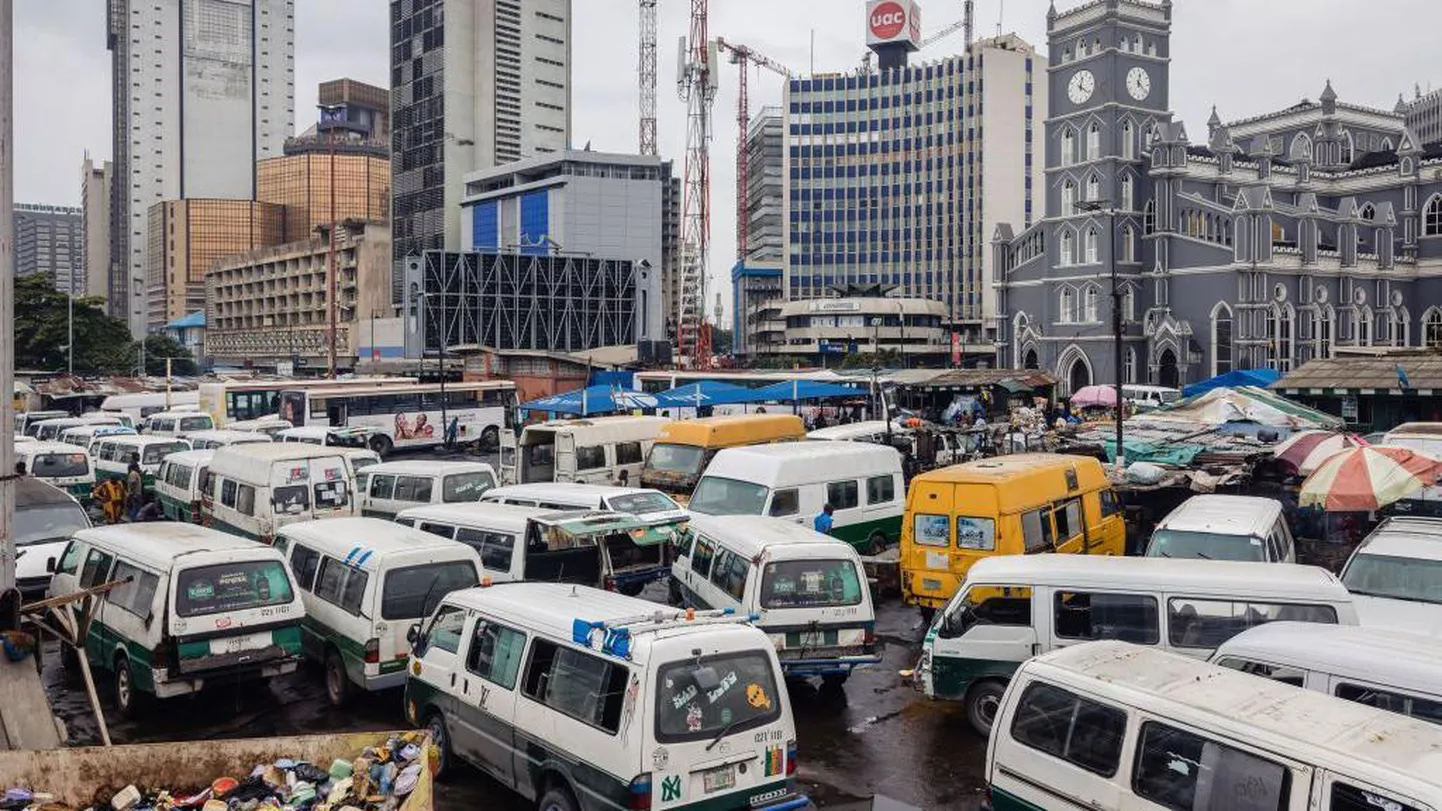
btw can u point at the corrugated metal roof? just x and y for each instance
(1422, 371)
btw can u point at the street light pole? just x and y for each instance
(1111, 211)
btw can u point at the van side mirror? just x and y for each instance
(413, 634)
(50, 566)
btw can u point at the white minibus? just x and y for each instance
(50, 430)
(387, 488)
(1395, 574)
(181, 484)
(1222, 527)
(178, 423)
(65, 466)
(45, 518)
(652, 506)
(210, 440)
(85, 435)
(112, 456)
(364, 583)
(596, 450)
(140, 406)
(1012, 607)
(255, 489)
(795, 480)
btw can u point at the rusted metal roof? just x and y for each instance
(1422, 371)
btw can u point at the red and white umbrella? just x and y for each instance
(1094, 396)
(1306, 450)
(1368, 478)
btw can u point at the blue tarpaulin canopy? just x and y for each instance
(1261, 378)
(591, 400)
(703, 393)
(796, 390)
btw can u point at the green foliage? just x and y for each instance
(888, 359)
(102, 343)
(158, 347)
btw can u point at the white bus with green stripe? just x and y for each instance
(180, 484)
(196, 606)
(795, 480)
(585, 700)
(257, 488)
(65, 466)
(113, 455)
(365, 582)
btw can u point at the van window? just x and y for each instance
(157, 452)
(443, 530)
(585, 687)
(227, 493)
(413, 488)
(195, 424)
(444, 631)
(289, 498)
(1185, 771)
(1286, 675)
(137, 595)
(931, 530)
(383, 486)
(729, 573)
(57, 465)
(97, 566)
(414, 591)
(70, 560)
(465, 486)
(1128, 617)
(1400, 578)
(236, 586)
(702, 554)
(1068, 516)
(495, 653)
(700, 697)
(304, 561)
(591, 457)
(1420, 708)
(245, 499)
(810, 584)
(1174, 543)
(1199, 623)
(643, 502)
(785, 502)
(332, 577)
(976, 533)
(1348, 798)
(354, 592)
(1036, 530)
(719, 496)
(629, 453)
(1064, 725)
(495, 548)
(842, 495)
(362, 482)
(989, 605)
(880, 489)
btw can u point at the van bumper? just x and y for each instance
(826, 667)
(385, 681)
(168, 687)
(794, 803)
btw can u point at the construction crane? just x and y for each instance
(963, 23)
(744, 57)
(646, 72)
(696, 85)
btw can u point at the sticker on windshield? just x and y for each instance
(693, 718)
(684, 697)
(296, 474)
(726, 715)
(756, 696)
(200, 590)
(727, 683)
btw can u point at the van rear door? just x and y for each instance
(565, 466)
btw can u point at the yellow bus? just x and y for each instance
(684, 448)
(1022, 504)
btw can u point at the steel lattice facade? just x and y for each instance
(510, 301)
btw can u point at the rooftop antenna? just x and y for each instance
(1000, 13)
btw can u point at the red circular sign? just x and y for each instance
(887, 20)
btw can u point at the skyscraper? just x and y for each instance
(201, 89)
(475, 84)
(48, 242)
(95, 182)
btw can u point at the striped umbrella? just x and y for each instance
(1305, 450)
(1367, 478)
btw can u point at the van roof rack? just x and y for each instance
(615, 635)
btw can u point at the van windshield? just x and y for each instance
(642, 503)
(810, 584)
(1174, 543)
(195, 424)
(718, 496)
(700, 698)
(236, 586)
(59, 465)
(1396, 578)
(154, 453)
(48, 524)
(669, 458)
(466, 486)
(413, 592)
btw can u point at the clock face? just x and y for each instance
(1139, 84)
(1080, 88)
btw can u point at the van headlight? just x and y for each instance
(924, 666)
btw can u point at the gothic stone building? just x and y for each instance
(1281, 239)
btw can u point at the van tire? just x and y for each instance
(435, 724)
(490, 439)
(382, 445)
(127, 698)
(557, 798)
(337, 683)
(983, 702)
(876, 544)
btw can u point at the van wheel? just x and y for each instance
(435, 725)
(673, 594)
(491, 439)
(337, 683)
(876, 543)
(127, 700)
(982, 705)
(382, 445)
(557, 798)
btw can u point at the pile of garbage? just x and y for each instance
(381, 778)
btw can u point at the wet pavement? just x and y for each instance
(876, 736)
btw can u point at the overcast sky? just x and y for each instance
(1245, 56)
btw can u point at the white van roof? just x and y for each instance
(190, 457)
(1348, 736)
(178, 413)
(785, 463)
(140, 440)
(1394, 658)
(467, 513)
(852, 430)
(429, 468)
(598, 422)
(1407, 537)
(586, 495)
(252, 457)
(36, 448)
(158, 543)
(753, 535)
(1242, 578)
(552, 609)
(1224, 515)
(228, 435)
(363, 541)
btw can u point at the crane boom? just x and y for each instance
(646, 73)
(744, 56)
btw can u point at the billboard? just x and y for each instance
(893, 21)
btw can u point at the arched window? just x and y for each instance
(1129, 137)
(1030, 360)
(1068, 248)
(1222, 361)
(1387, 145)
(1129, 193)
(1066, 306)
(1092, 253)
(1094, 141)
(1129, 365)
(1279, 334)
(1368, 212)
(1323, 325)
(1386, 327)
(1149, 217)
(1094, 187)
(1301, 146)
(1432, 328)
(1082, 51)
(1068, 198)
(1090, 299)
(1129, 304)
(1068, 146)
(1129, 244)
(1271, 333)
(1402, 323)
(1361, 326)
(1348, 147)
(1432, 217)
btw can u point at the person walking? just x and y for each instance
(134, 488)
(110, 495)
(824, 520)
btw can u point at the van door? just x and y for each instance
(985, 634)
(565, 469)
(436, 660)
(510, 458)
(1343, 793)
(487, 701)
(695, 580)
(1070, 524)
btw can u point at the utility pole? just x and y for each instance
(9, 597)
(331, 305)
(1111, 211)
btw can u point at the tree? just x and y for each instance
(102, 343)
(158, 347)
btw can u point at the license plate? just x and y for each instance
(718, 779)
(235, 644)
(927, 584)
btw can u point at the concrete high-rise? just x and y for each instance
(48, 242)
(95, 180)
(475, 84)
(201, 90)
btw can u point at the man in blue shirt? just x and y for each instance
(823, 521)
